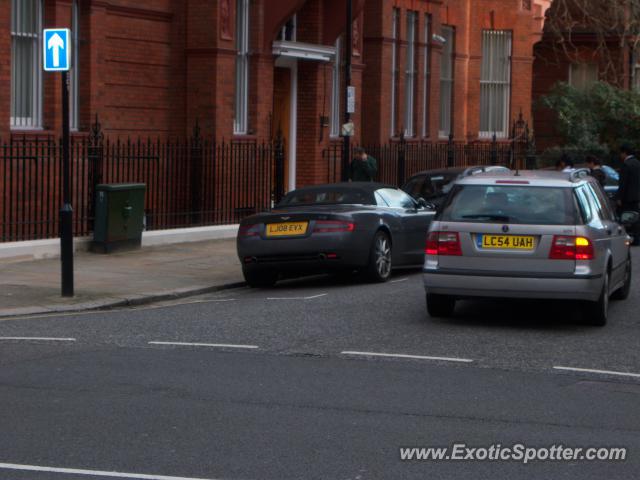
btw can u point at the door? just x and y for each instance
(613, 233)
(281, 120)
(414, 225)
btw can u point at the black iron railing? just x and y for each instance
(398, 161)
(190, 182)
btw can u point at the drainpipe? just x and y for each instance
(346, 146)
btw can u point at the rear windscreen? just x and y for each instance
(329, 196)
(510, 204)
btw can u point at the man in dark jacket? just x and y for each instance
(628, 197)
(363, 167)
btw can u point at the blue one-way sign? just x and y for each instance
(57, 49)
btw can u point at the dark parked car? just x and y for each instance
(434, 185)
(346, 226)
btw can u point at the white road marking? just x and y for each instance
(39, 339)
(399, 355)
(178, 303)
(212, 345)
(92, 473)
(602, 372)
(400, 280)
(313, 297)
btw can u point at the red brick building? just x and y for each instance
(250, 69)
(586, 57)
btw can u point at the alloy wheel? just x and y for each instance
(383, 256)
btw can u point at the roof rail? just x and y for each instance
(579, 174)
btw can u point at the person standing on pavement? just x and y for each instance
(595, 169)
(628, 196)
(363, 167)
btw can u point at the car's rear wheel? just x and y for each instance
(623, 292)
(379, 269)
(597, 313)
(440, 305)
(260, 278)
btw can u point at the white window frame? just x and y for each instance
(17, 85)
(241, 113)
(447, 81)
(426, 72)
(410, 75)
(294, 30)
(74, 84)
(336, 91)
(495, 83)
(394, 68)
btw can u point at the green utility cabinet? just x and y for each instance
(119, 217)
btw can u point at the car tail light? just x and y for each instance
(328, 226)
(249, 230)
(444, 243)
(571, 248)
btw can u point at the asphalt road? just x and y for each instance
(271, 394)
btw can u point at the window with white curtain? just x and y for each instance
(74, 94)
(241, 120)
(26, 59)
(394, 67)
(583, 75)
(410, 75)
(336, 91)
(426, 72)
(495, 83)
(446, 81)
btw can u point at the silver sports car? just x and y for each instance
(340, 227)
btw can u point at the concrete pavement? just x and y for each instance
(125, 278)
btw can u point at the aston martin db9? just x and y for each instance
(369, 227)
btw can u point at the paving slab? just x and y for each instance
(118, 279)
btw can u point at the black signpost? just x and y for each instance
(66, 213)
(57, 58)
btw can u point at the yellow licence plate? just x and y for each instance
(288, 229)
(506, 242)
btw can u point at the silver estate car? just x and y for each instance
(538, 235)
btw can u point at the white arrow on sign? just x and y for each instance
(56, 44)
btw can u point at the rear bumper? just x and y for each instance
(502, 285)
(311, 263)
(320, 252)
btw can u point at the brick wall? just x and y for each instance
(155, 67)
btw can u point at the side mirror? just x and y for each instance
(422, 203)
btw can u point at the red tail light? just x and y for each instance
(328, 226)
(571, 248)
(249, 231)
(444, 243)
